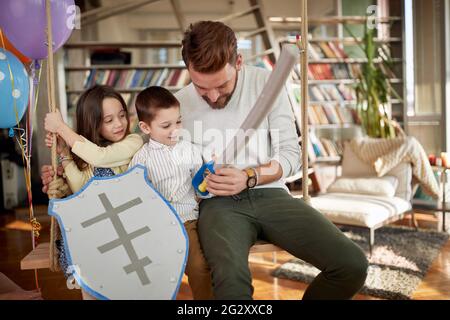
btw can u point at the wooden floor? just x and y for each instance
(15, 243)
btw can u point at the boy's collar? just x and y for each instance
(153, 144)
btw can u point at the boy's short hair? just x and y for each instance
(152, 99)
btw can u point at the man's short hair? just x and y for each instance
(208, 46)
(152, 99)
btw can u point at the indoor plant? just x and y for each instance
(373, 90)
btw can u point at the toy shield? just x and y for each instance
(122, 238)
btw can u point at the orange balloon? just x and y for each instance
(9, 46)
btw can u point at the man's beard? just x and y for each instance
(226, 98)
(218, 104)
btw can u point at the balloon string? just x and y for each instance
(35, 225)
(31, 111)
(26, 154)
(34, 100)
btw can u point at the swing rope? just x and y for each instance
(54, 229)
(304, 95)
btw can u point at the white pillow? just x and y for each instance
(352, 166)
(384, 186)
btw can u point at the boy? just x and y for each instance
(171, 164)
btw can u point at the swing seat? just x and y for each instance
(39, 258)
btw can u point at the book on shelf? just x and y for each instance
(329, 147)
(331, 114)
(323, 149)
(320, 114)
(331, 92)
(320, 71)
(320, 148)
(333, 71)
(347, 92)
(314, 52)
(138, 78)
(337, 50)
(339, 70)
(326, 50)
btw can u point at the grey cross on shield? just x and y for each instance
(137, 265)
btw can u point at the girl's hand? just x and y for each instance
(61, 147)
(53, 121)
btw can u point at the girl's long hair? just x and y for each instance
(89, 116)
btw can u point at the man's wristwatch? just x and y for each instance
(252, 179)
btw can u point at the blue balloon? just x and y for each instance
(12, 99)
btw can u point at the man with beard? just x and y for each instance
(249, 198)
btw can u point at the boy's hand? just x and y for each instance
(226, 182)
(53, 121)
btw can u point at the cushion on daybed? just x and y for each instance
(384, 186)
(360, 210)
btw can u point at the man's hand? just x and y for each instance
(226, 182)
(47, 174)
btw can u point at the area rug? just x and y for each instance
(400, 259)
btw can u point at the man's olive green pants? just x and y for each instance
(229, 226)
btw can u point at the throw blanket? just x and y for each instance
(385, 154)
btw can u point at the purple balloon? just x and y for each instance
(25, 21)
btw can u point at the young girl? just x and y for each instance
(102, 145)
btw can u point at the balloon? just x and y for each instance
(9, 46)
(8, 94)
(25, 23)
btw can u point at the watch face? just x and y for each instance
(251, 182)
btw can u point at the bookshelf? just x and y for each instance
(126, 76)
(334, 64)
